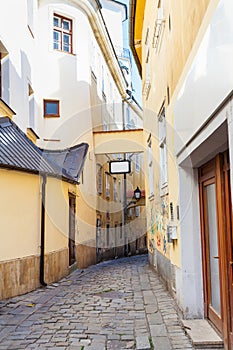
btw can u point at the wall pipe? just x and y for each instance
(42, 234)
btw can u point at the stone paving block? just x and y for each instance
(155, 318)
(158, 330)
(110, 307)
(161, 343)
(142, 343)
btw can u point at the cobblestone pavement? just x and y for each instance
(114, 305)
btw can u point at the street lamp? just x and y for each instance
(137, 193)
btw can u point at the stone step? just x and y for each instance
(202, 335)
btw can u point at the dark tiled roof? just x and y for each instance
(18, 152)
(71, 159)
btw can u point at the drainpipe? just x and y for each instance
(42, 234)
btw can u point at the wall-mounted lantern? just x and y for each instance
(137, 193)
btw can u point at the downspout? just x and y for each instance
(42, 233)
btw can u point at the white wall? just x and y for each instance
(17, 65)
(210, 78)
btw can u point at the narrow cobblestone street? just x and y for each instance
(117, 305)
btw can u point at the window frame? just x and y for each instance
(150, 169)
(99, 179)
(47, 115)
(163, 148)
(107, 186)
(63, 31)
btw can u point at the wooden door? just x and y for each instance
(72, 211)
(229, 245)
(217, 244)
(211, 245)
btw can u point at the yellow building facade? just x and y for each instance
(183, 51)
(162, 46)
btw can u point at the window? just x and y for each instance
(107, 236)
(162, 149)
(137, 162)
(99, 179)
(159, 26)
(128, 126)
(31, 102)
(150, 171)
(51, 108)
(121, 231)
(147, 84)
(107, 186)
(62, 34)
(114, 190)
(103, 80)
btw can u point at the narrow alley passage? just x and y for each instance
(117, 305)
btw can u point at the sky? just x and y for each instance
(136, 79)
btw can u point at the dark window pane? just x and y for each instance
(51, 108)
(56, 22)
(66, 43)
(56, 40)
(66, 39)
(66, 25)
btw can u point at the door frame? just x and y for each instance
(215, 172)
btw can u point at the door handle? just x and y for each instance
(216, 257)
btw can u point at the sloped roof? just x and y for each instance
(18, 152)
(72, 159)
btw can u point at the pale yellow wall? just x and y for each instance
(57, 215)
(20, 214)
(20, 209)
(166, 66)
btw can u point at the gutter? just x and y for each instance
(42, 233)
(132, 12)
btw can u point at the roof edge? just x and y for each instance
(132, 12)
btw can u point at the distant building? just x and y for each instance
(66, 84)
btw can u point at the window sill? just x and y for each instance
(64, 52)
(151, 197)
(164, 190)
(51, 116)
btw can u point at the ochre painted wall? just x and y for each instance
(20, 215)
(57, 215)
(181, 32)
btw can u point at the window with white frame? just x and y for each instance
(137, 162)
(114, 190)
(147, 85)
(150, 169)
(62, 33)
(159, 25)
(99, 179)
(127, 117)
(162, 148)
(103, 80)
(31, 105)
(107, 186)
